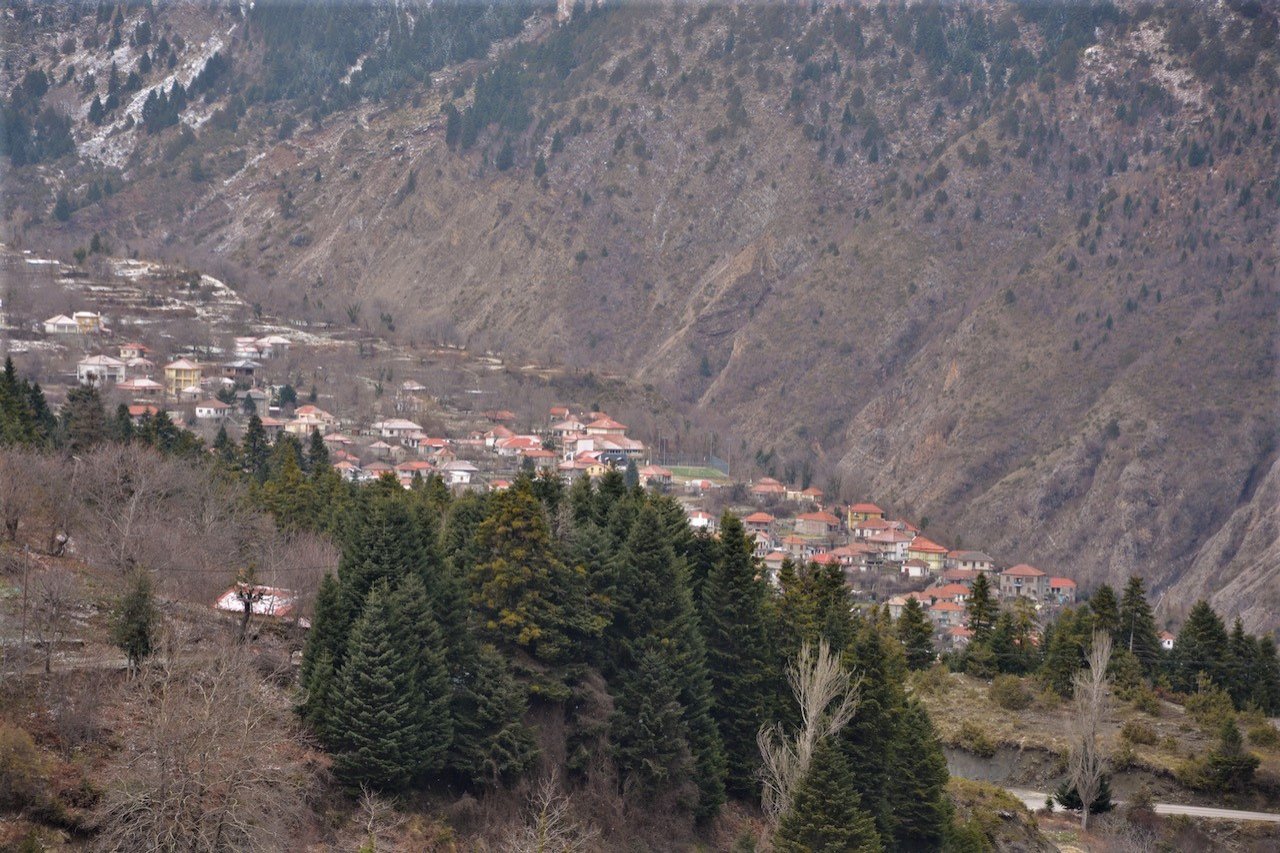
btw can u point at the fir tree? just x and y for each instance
(135, 620)
(981, 609)
(1106, 612)
(122, 425)
(869, 739)
(491, 744)
(1202, 647)
(739, 658)
(374, 727)
(654, 615)
(1229, 767)
(224, 447)
(255, 450)
(317, 452)
(915, 632)
(1065, 652)
(84, 423)
(921, 809)
(423, 647)
(826, 814)
(1138, 626)
(648, 731)
(526, 597)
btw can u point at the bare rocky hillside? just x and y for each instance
(1012, 269)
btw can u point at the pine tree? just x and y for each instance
(915, 632)
(739, 658)
(981, 609)
(122, 425)
(826, 814)
(1138, 626)
(374, 726)
(921, 809)
(1202, 647)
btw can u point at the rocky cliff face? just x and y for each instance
(1008, 270)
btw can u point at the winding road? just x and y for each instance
(1035, 800)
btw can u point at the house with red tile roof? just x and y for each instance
(915, 569)
(767, 487)
(817, 524)
(864, 512)
(976, 561)
(946, 614)
(759, 521)
(935, 555)
(606, 426)
(1024, 581)
(1062, 590)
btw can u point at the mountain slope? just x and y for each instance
(1008, 268)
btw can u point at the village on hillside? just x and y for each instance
(410, 433)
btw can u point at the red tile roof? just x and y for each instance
(824, 517)
(1062, 583)
(866, 508)
(759, 518)
(1022, 570)
(927, 546)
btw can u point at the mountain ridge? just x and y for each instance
(1043, 311)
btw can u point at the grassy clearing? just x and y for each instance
(693, 472)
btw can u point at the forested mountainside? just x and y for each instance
(1007, 267)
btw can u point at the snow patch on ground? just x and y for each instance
(111, 144)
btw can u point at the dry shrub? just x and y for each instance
(1264, 735)
(934, 681)
(75, 703)
(1009, 692)
(1136, 731)
(972, 737)
(23, 770)
(210, 762)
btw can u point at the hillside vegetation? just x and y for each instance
(1011, 268)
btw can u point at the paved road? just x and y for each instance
(1035, 800)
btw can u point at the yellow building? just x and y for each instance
(180, 374)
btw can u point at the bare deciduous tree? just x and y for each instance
(215, 769)
(55, 592)
(379, 820)
(1087, 765)
(552, 826)
(828, 699)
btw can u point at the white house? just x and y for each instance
(395, 428)
(61, 324)
(97, 370)
(212, 410)
(458, 472)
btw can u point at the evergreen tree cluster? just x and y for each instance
(482, 609)
(1204, 654)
